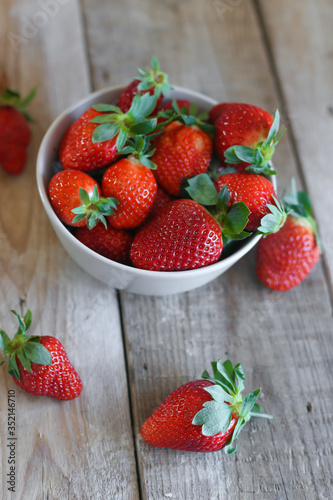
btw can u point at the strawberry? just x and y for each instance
(181, 151)
(153, 81)
(78, 152)
(165, 245)
(15, 133)
(204, 415)
(39, 365)
(132, 183)
(246, 135)
(73, 192)
(108, 241)
(253, 189)
(289, 251)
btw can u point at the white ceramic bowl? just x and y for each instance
(112, 273)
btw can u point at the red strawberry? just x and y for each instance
(73, 192)
(78, 152)
(13, 157)
(108, 241)
(204, 415)
(253, 189)
(152, 80)
(15, 133)
(245, 133)
(286, 257)
(181, 151)
(133, 184)
(40, 365)
(165, 245)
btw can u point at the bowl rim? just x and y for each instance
(59, 226)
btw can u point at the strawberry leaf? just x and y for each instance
(214, 417)
(105, 132)
(144, 127)
(108, 108)
(4, 340)
(12, 367)
(219, 394)
(24, 360)
(236, 220)
(37, 353)
(202, 190)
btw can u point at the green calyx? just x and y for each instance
(12, 98)
(231, 220)
(189, 117)
(94, 208)
(216, 415)
(26, 347)
(154, 78)
(114, 123)
(138, 148)
(273, 221)
(259, 156)
(299, 205)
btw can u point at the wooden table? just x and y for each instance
(130, 350)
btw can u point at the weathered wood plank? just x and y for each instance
(83, 448)
(218, 49)
(302, 50)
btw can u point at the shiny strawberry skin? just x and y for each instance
(253, 189)
(58, 380)
(162, 199)
(64, 194)
(112, 243)
(181, 151)
(14, 128)
(134, 186)
(285, 258)
(170, 426)
(239, 124)
(182, 236)
(78, 152)
(126, 97)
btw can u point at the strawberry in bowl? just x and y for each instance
(137, 169)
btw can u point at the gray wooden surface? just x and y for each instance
(131, 351)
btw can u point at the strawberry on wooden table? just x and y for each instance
(184, 235)
(15, 133)
(151, 80)
(131, 181)
(246, 135)
(204, 415)
(39, 364)
(75, 198)
(289, 251)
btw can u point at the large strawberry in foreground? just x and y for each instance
(204, 415)
(286, 257)
(184, 235)
(39, 365)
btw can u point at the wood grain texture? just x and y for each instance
(81, 449)
(282, 339)
(302, 50)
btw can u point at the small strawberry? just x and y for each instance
(184, 235)
(289, 251)
(153, 81)
(75, 198)
(253, 189)
(15, 133)
(246, 135)
(108, 241)
(204, 415)
(39, 365)
(181, 151)
(132, 183)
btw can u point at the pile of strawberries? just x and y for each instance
(154, 184)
